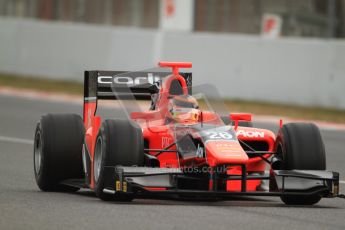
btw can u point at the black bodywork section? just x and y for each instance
(143, 91)
(282, 182)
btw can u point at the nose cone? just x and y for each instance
(225, 152)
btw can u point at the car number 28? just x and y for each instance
(218, 135)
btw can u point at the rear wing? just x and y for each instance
(100, 84)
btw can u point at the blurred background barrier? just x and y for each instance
(277, 51)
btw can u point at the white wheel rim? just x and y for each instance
(83, 157)
(38, 153)
(97, 159)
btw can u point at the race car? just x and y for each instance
(180, 146)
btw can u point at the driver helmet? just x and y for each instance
(183, 109)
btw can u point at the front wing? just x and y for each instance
(152, 182)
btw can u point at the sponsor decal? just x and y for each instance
(213, 135)
(166, 141)
(127, 80)
(117, 186)
(250, 133)
(229, 148)
(124, 186)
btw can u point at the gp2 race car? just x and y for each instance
(181, 146)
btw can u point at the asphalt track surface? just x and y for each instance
(23, 206)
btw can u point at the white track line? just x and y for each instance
(16, 140)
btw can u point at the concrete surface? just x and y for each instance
(23, 206)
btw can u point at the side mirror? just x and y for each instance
(241, 117)
(236, 117)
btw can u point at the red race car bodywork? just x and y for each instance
(208, 156)
(219, 152)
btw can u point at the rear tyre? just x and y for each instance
(119, 142)
(300, 146)
(57, 151)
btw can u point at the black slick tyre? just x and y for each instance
(57, 151)
(300, 146)
(119, 142)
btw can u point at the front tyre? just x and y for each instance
(119, 142)
(300, 146)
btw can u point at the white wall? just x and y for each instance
(180, 17)
(297, 71)
(306, 72)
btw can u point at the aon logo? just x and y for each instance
(250, 133)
